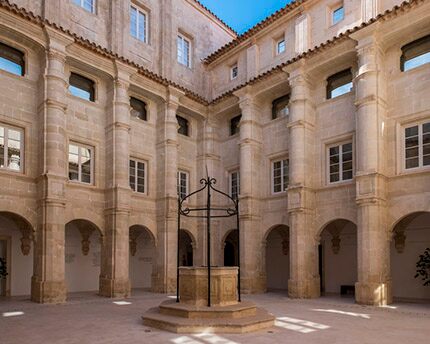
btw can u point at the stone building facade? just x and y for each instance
(106, 106)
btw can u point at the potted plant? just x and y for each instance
(423, 267)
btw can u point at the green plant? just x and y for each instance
(423, 267)
(3, 269)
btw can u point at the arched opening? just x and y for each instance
(338, 258)
(230, 249)
(142, 253)
(278, 258)
(411, 237)
(83, 247)
(16, 253)
(185, 248)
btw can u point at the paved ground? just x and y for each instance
(87, 318)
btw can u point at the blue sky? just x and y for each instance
(243, 14)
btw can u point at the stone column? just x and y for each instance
(374, 282)
(48, 281)
(114, 277)
(304, 279)
(167, 198)
(252, 278)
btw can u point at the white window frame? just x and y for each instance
(6, 129)
(232, 69)
(335, 8)
(282, 161)
(340, 145)
(80, 145)
(81, 3)
(230, 182)
(420, 146)
(278, 42)
(181, 39)
(145, 176)
(187, 181)
(139, 10)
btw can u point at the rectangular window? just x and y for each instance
(88, 5)
(12, 60)
(183, 126)
(280, 177)
(82, 87)
(182, 181)
(417, 146)
(11, 148)
(415, 54)
(234, 72)
(138, 109)
(234, 184)
(338, 14)
(280, 46)
(280, 107)
(80, 163)
(137, 175)
(340, 162)
(138, 23)
(339, 83)
(234, 125)
(184, 51)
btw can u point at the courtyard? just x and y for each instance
(87, 318)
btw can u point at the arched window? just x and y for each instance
(415, 54)
(183, 126)
(234, 125)
(12, 60)
(82, 87)
(339, 83)
(138, 109)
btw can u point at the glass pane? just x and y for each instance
(411, 142)
(426, 149)
(89, 5)
(347, 175)
(334, 178)
(78, 92)
(426, 139)
(14, 149)
(347, 156)
(141, 188)
(133, 22)
(334, 159)
(281, 47)
(347, 148)
(341, 90)
(426, 160)
(412, 131)
(132, 182)
(347, 166)
(417, 61)
(412, 152)
(334, 168)
(426, 127)
(10, 66)
(142, 23)
(412, 163)
(334, 150)
(86, 178)
(338, 15)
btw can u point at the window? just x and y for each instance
(234, 184)
(138, 23)
(340, 162)
(280, 46)
(234, 71)
(88, 5)
(138, 109)
(337, 15)
(234, 125)
(11, 142)
(184, 51)
(280, 175)
(80, 163)
(137, 175)
(280, 107)
(182, 184)
(183, 126)
(339, 83)
(81, 87)
(417, 146)
(415, 54)
(12, 60)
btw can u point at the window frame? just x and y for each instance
(180, 118)
(278, 42)
(333, 10)
(235, 120)
(6, 128)
(82, 2)
(146, 14)
(333, 78)
(421, 165)
(276, 102)
(145, 176)
(180, 47)
(230, 183)
(93, 92)
(145, 106)
(423, 42)
(284, 187)
(22, 55)
(340, 144)
(232, 71)
(187, 182)
(92, 164)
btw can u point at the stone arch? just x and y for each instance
(26, 213)
(410, 239)
(276, 257)
(16, 246)
(327, 223)
(87, 215)
(187, 245)
(337, 257)
(83, 255)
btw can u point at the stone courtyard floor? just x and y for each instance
(87, 318)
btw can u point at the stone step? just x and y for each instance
(239, 310)
(261, 320)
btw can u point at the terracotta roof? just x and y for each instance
(228, 27)
(342, 36)
(99, 49)
(255, 29)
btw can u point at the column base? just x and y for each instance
(373, 294)
(253, 285)
(114, 288)
(48, 291)
(304, 289)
